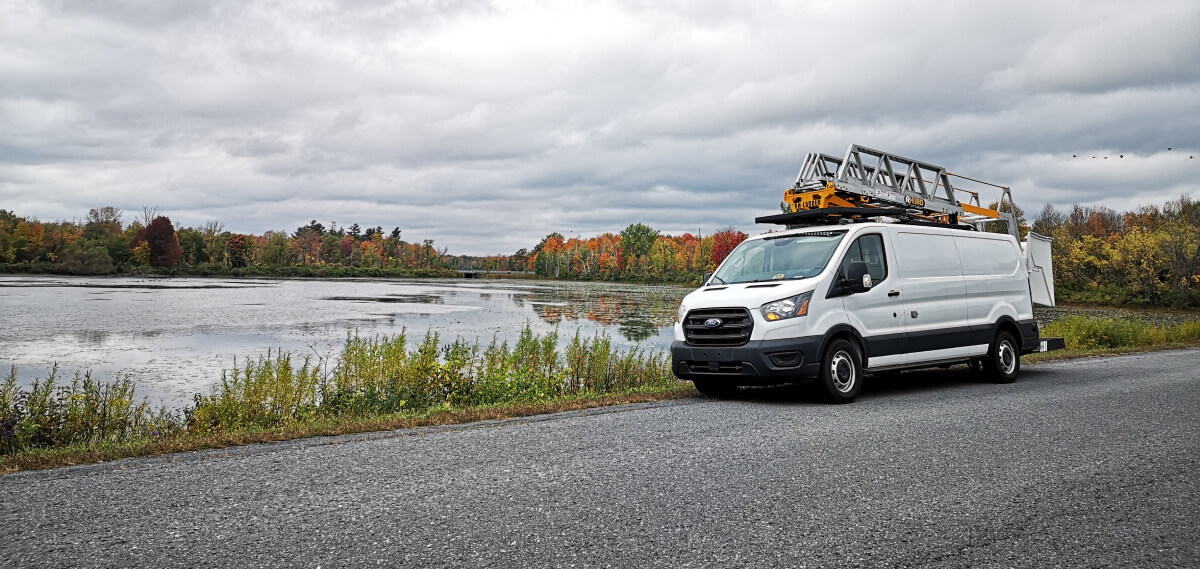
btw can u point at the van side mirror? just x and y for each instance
(857, 278)
(707, 277)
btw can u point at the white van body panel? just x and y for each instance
(932, 287)
(945, 294)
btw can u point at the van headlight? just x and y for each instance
(681, 314)
(785, 308)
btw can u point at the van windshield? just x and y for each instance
(777, 258)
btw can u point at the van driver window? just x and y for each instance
(868, 249)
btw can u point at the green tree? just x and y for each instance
(637, 239)
(331, 248)
(312, 226)
(119, 250)
(278, 250)
(192, 243)
(86, 257)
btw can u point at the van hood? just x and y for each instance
(746, 295)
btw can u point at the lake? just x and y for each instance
(174, 336)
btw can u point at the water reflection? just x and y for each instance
(636, 330)
(638, 313)
(175, 336)
(91, 337)
(401, 298)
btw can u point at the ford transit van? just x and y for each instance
(832, 303)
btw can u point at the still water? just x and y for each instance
(174, 337)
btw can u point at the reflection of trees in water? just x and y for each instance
(637, 314)
(93, 337)
(637, 330)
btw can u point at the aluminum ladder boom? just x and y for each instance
(871, 183)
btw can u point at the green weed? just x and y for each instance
(1090, 333)
(375, 377)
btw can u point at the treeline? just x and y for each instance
(103, 244)
(638, 253)
(1149, 256)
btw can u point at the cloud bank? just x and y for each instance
(486, 125)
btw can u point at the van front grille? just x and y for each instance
(701, 327)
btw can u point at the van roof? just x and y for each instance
(863, 226)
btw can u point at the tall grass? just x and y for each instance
(84, 411)
(374, 377)
(380, 375)
(1089, 333)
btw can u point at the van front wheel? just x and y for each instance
(841, 371)
(1004, 360)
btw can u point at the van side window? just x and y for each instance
(868, 249)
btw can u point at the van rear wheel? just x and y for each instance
(841, 371)
(1003, 362)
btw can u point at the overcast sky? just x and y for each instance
(485, 126)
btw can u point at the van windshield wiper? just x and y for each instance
(715, 277)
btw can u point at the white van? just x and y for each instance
(833, 302)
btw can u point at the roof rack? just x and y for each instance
(838, 190)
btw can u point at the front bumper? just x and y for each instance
(757, 362)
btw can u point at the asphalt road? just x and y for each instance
(1089, 463)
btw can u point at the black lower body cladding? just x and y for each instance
(758, 361)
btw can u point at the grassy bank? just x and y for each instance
(379, 383)
(384, 383)
(1098, 336)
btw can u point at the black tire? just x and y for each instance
(714, 389)
(1003, 362)
(841, 371)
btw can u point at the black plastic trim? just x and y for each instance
(751, 363)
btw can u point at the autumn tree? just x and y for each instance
(1001, 226)
(214, 239)
(237, 248)
(8, 248)
(161, 241)
(307, 243)
(103, 223)
(724, 242)
(28, 239)
(1048, 220)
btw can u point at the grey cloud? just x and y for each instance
(485, 126)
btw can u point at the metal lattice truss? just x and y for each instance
(872, 179)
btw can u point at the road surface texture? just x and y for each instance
(1087, 463)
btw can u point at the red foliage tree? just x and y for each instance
(723, 243)
(162, 241)
(238, 248)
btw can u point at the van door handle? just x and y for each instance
(894, 293)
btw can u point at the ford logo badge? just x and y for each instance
(712, 323)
